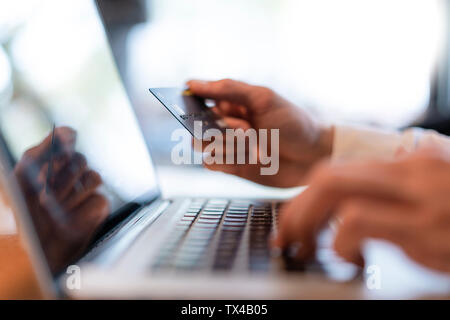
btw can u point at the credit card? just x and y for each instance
(187, 109)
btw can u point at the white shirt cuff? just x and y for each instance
(362, 143)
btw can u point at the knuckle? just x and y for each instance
(266, 96)
(80, 159)
(224, 83)
(100, 203)
(93, 179)
(96, 177)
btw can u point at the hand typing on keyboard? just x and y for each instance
(403, 201)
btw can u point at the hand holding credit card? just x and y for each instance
(187, 109)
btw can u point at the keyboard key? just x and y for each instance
(233, 228)
(236, 215)
(211, 213)
(190, 214)
(189, 246)
(211, 217)
(207, 221)
(235, 218)
(200, 236)
(236, 210)
(184, 223)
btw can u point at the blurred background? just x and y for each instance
(378, 62)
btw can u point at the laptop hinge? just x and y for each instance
(112, 245)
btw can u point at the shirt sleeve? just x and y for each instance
(357, 142)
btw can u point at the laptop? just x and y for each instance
(149, 246)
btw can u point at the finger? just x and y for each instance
(237, 123)
(232, 123)
(225, 168)
(330, 185)
(226, 89)
(363, 218)
(85, 187)
(57, 165)
(228, 109)
(226, 143)
(64, 180)
(435, 151)
(285, 236)
(223, 108)
(401, 152)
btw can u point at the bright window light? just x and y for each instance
(350, 60)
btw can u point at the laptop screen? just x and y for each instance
(67, 103)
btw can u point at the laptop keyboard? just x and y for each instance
(216, 234)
